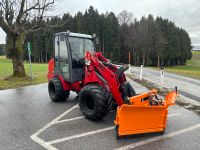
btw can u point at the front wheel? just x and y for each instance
(56, 92)
(94, 102)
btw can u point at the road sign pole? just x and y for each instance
(29, 55)
(31, 73)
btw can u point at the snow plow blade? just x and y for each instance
(145, 113)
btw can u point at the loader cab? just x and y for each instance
(69, 53)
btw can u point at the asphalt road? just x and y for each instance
(188, 87)
(29, 120)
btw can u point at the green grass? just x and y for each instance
(7, 81)
(191, 69)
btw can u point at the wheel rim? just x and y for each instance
(89, 103)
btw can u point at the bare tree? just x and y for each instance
(15, 15)
(125, 17)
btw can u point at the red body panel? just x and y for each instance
(106, 78)
(66, 85)
(50, 73)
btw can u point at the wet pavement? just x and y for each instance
(29, 120)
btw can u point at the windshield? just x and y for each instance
(79, 46)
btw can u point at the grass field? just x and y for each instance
(191, 69)
(7, 81)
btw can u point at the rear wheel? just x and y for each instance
(56, 91)
(95, 102)
(117, 131)
(127, 91)
(130, 91)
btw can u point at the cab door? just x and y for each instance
(61, 57)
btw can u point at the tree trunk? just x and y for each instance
(161, 63)
(158, 61)
(143, 60)
(138, 57)
(18, 66)
(158, 57)
(46, 59)
(17, 54)
(41, 57)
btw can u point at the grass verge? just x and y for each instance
(7, 81)
(191, 69)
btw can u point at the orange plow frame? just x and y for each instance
(139, 117)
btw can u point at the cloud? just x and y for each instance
(194, 35)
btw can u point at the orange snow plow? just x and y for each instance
(145, 113)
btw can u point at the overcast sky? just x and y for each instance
(185, 13)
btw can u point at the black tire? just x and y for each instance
(95, 102)
(127, 91)
(130, 91)
(162, 132)
(56, 92)
(117, 132)
(114, 106)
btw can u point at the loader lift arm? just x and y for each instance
(110, 76)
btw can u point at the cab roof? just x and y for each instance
(72, 34)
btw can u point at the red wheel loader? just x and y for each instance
(77, 67)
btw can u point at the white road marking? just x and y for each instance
(42, 143)
(55, 120)
(80, 135)
(71, 119)
(137, 144)
(46, 145)
(90, 132)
